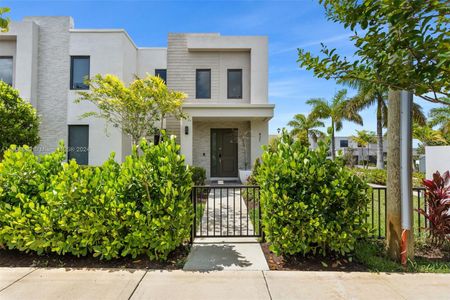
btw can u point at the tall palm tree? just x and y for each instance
(372, 94)
(337, 110)
(365, 138)
(305, 127)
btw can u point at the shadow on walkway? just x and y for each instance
(215, 258)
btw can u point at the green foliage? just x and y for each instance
(379, 176)
(198, 175)
(135, 108)
(402, 45)
(139, 207)
(304, 127)
(251, 180)
(4, 22)
(310, 204)
(19, 123)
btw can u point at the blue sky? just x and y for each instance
(288, 24)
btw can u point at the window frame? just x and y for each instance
(72, 58)
(69, 145)
(228, 83)
(340, 143)
(164, 79)
(12, 63)
(196, 83)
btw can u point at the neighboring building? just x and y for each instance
(225, 77)
(346, 144)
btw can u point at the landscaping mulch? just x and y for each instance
(309, 263)
(16, 258)
(432, 253)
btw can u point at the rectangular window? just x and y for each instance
(79, 143)
(162, 73)
(235, 84)
(203, 84)
(6, 69)
(343, 143)
(79, 72)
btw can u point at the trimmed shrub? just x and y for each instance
(379, 176)
(198, 175)
(142, 206)
(310, 204)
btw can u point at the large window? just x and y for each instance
(203, 84)
(79, 143)
(162, 73)
(343, 143)
(6, 69)
(79, 72)
(235, 84)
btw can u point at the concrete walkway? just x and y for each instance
(49, 284)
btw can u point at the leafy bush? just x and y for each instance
(310, 204)
(198, 175)
(139, 207)
(251, 179)
(19, 123)
(438, 214)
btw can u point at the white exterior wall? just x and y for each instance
(41, 48)
(437, 158)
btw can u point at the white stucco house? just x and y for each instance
(225, 77)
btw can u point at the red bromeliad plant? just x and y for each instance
(438, 214)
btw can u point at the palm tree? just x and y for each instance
(371, 94)
(440, 116)
(305, 127)
(428, 136)
(338, 110)
(365, 138)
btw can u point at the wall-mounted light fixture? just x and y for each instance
(186, 130)
(260, 137)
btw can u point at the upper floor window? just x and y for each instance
(79, 72)
(203, 84)
(6, 69)
(235, 84)
(162, 73)
(343, 143)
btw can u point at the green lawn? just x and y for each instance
(377, 213)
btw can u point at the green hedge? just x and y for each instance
(310, 204)
(141, 206)
(378, 176)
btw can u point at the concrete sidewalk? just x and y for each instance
(29, 283)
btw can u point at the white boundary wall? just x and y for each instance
(437, 158)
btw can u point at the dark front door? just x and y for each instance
(224, 149)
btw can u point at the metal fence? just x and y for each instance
(377, 211)
(226, 211)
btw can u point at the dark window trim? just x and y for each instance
(72, 57)
(196, 79)
(12, 58)
(228, 83)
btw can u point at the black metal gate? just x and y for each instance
(226, 211)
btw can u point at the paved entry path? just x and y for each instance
(225, 214)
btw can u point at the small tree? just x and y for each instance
(19, 123)
(136, 108)
(365, 138)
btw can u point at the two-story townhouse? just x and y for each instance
(225, 77)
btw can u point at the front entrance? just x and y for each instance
(224, 152)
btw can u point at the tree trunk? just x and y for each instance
(393, 218)
(380, 155)
(333, 146)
